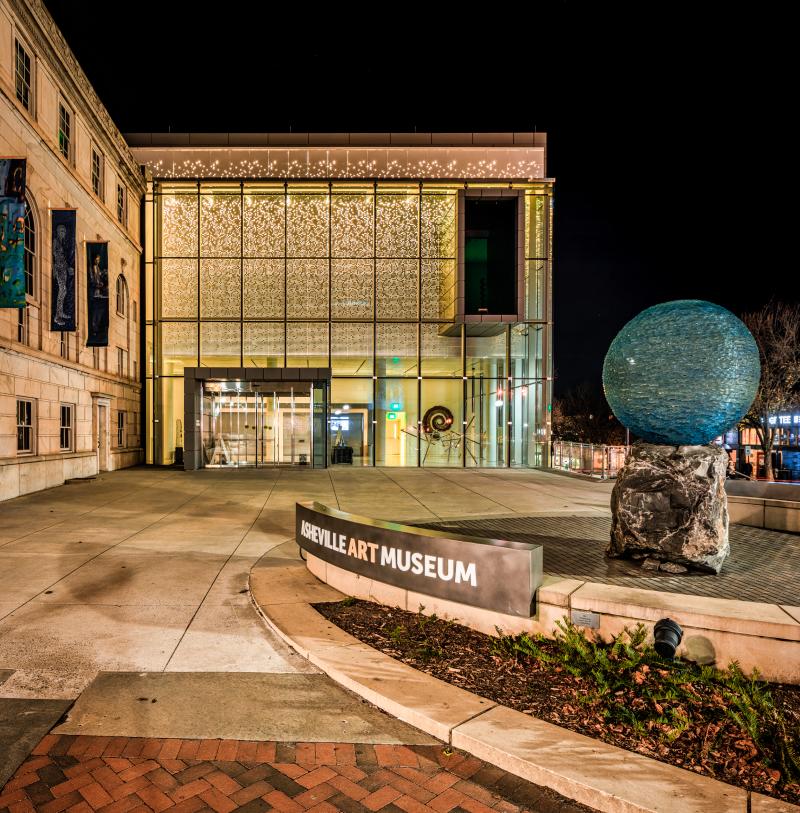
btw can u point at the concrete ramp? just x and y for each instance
(236, 706)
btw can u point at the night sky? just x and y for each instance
(661, 135)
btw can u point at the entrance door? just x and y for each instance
(102, 437)
(255, 424)
(295, 429)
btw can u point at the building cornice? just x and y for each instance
(337, 140)
(48, 39)
(346, 163)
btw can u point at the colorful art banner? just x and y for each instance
(63, 283)
(12, 232)
(97, 290)
(12, 178)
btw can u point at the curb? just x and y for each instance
(602, 776)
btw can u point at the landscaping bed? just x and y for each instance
(719, 723)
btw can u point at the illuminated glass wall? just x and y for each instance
(361, 278)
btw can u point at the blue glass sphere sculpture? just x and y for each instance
(682, 372)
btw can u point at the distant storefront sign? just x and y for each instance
(494, 574)
(784, 420)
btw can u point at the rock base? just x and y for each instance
(669, 505)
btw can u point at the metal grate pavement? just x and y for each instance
(763, 565)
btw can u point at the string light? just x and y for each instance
(525, 163)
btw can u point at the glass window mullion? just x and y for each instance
(285, 267)
(507, 385)
(241, 283)
(199, 250)
(330, 271)
(374, 426)
(419, 324)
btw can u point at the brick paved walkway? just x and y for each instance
(763, 566)
(120, 775)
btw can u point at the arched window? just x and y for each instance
(122, 295)
(30, 251)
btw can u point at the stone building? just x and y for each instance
(370, 299)
(66, 410)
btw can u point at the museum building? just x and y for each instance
(371, 299)
(68, 408)
(378, 299)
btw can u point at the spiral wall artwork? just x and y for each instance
(437, 419)
(436, 427)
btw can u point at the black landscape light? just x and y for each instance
(668, 635)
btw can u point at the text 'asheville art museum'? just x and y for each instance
(381, 305)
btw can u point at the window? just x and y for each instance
(122, 295)
(490, 255)
(122, 205)
(23, 76)
(122, 361)
(98, 163)
(120, 428)
(30, 252)
(22, 325)
(24, 426)
(67, 415)
(65, 131)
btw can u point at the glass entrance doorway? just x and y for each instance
(252, 424)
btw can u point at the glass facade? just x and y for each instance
(361, 278)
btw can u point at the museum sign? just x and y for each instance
(495, 574)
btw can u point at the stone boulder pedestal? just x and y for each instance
(669, 506)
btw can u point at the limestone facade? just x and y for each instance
(92, 171)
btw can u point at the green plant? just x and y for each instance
(428, 650)
(627, 682)
(348, 601)
(519, 646)
(749, 703)
(398, 633)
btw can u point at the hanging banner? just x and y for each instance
(12, 178)
(12, 232)
(97, 289)
(63, 284)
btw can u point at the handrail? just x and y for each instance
(599, 460)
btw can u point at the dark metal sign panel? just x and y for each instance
(495, 574)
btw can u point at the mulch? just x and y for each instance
(713, 745)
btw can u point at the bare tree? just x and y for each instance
(776, 329)
(582, 414)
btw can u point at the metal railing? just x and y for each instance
(593, 459)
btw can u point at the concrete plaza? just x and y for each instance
(136, 673)
(146, 569)
(131, 589)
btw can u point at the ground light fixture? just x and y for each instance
(668, 636)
